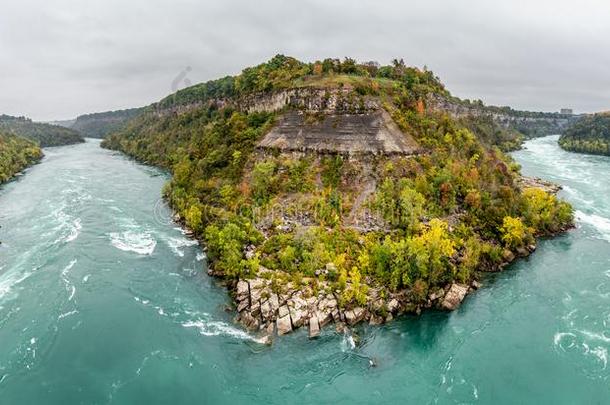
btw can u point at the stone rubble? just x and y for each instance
(264, 310)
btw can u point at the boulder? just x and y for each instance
(393, 305)
(376, 320)
(242, 290)
(266, 311)
(250, 322)
(298, 317)
(243, 305)
(325, 317)
(255, 308)
(283, 311)
(353, 316)
(284, 325)
(522, 252)
(508, 256)
(274, 302)
(437, 294)
(476, 285)
(454, 296)
(314, 327)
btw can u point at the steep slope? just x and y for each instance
(335, 191)
(16, 154)
(589, 135)
(98, 125)
(43, 134)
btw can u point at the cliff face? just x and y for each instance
(530, 124)
(319, 120)
(327, 120)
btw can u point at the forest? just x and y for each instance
(433, 219)
(98, 125)
(16, 154)
(589, 135)
(43, 134)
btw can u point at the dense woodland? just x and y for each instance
(444, 214)
(98, 125)
(16, 154)
(589, 135)
(43, 134)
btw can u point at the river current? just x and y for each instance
(103, 300)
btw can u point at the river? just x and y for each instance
(104, 301)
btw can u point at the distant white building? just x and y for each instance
(567, 111)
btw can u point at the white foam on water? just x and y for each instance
(74, 230)
(200, 256)
(348, 342)
(216, 328)
(70, 288)
(595, 336)
(140, 243)
(576, 194)
(8, 281)
(66, 314)
(601, 224)
(564, 340)
(601, 353)
(67, 269)
(72, 292)
(178, 244)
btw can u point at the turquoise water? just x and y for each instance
(103, 300)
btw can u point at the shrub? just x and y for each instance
(514, 233)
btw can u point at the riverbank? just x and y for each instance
(16, 154)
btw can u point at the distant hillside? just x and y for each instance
(16, 153)
(62, 123)
(43, 134)
(589, 135)
(502, 126)
(98, 125)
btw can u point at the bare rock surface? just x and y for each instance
(454, 296)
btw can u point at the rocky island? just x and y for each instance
(339, 192)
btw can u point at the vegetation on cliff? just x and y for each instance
(16, 154)
(43, 134)
(339, 221)
(589, 135)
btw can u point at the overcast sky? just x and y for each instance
(61, 58)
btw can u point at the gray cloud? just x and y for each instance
(61, 58)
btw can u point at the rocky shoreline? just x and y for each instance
(270, 310)
(262, 307)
